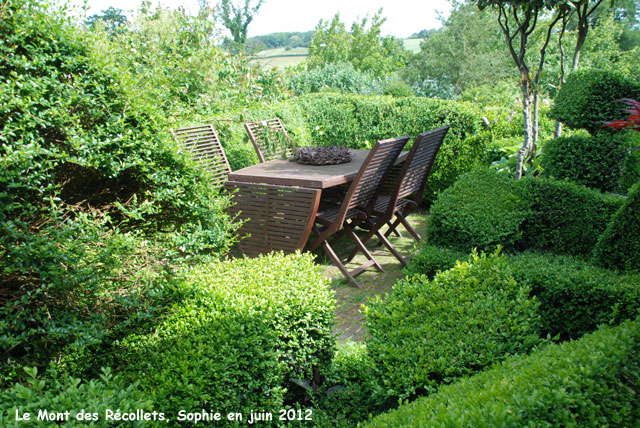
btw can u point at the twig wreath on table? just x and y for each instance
(332, 155)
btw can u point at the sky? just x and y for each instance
(404, 17)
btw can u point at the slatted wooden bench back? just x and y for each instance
(269, 139)
(203, 144)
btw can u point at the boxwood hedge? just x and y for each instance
(598, 162)
(249, 327)
(591, 382)
(484, 209)
(575, 297)
(426, 333)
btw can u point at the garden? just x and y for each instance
(124, 303)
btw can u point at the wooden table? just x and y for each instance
(278, 200)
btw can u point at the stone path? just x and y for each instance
(349, 321)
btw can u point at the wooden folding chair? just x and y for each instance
(412, 179)
(359, 199)
(203, 144)
(269, 139)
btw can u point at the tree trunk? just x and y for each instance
(534, 136)
(527, 128)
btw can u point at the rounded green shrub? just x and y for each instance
(427, 333)
(481, 210)
(591, 97)
(597, 162)
(248, 328)
(619, 245)
(589, 383)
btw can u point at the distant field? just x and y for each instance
(281, 57)
(412, 45)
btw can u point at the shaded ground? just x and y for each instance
(349, 323)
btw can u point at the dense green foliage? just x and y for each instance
(481, 210)
(247, 328)
(358, 122)
(466, 52)
(619, 245)
(564, 217)
(484, 209)
(425, 333)
(575, 297)
(95, 201)
(363, 46)
(430, 259)
(349, 392)
(337, 76)
(591, 97)
(591, 382)
(288, 40)
(598, 161)
(108, 393)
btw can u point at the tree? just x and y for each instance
(238, 18)
(464, 53)
(113, 19)
(363, 46)
(517, 20)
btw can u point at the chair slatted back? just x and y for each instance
(366, 185)
(269, 139)
(419, 162)
(203, 144)
(281, 216)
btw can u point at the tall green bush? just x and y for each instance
(591, 382)
(359, 121)
(248, 328)
(95, 201)
(619, 245)
(426, 333)
(591, 97)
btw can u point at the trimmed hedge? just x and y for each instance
(590, 97)
(574, 297)
(591, 382)
(619, 245)
(564, 217)
(426, 333)
(598, 161)
(481, 210)
(484, 209)
(249, 326)
(358, 121)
